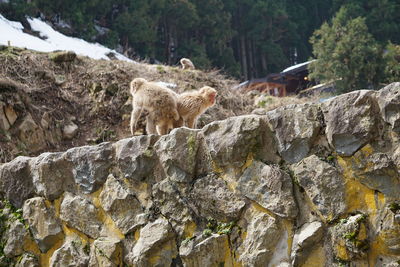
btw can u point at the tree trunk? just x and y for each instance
(251, 59)
(264, 64)
(243, 56)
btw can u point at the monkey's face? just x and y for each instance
(211, 97)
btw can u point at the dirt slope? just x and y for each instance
(47, 92)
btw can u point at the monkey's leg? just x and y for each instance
(134, 118)
(162, 128)
(190, 122)
(150, 125)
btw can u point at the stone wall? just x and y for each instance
(303, 185)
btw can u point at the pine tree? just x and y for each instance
(346, 53)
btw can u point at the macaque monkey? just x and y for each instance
(192, 104)
(187, 64)
(160, 102)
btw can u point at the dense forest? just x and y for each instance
(245, 38)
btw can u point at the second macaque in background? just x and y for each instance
(192, 104)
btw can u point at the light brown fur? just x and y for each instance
(187, 64)
(192, 104)
(160, 102)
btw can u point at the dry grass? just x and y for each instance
(268, 102)
(94, 94)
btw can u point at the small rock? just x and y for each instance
(397, 218)
(259, 111)
(106, 253)
(349, 238)
(4, 124)
(62, 56)
(70, 130)
(28, 260)
(10, 114)
(31, 134)
(71, 254)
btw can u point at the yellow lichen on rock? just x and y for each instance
(108, 223)
(190, 229)
(316, 258)
(358, 196)
(44, 258)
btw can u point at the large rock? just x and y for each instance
(177, 152)
(270, 187)
(16, 236)
(232, 140)
(91, 165)
(213, 199)
(352, 120)
(81, 214)
(121, 204)
(323, 185)
(155, 247)
(212, 251)
(71, 254)
(52, 174)
(136, 157)
(305, 240)
(16, 181)
(389, 103)
(296, 128)
(44, 225)
(262, 236)
(377, 171)
(171, 203)
(106, 253)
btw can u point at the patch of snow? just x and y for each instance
(297, 65)
(12, 31)
(168, 85)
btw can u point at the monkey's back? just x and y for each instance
(160, 101)
(191, 104)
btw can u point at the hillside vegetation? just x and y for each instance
(57, 101)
